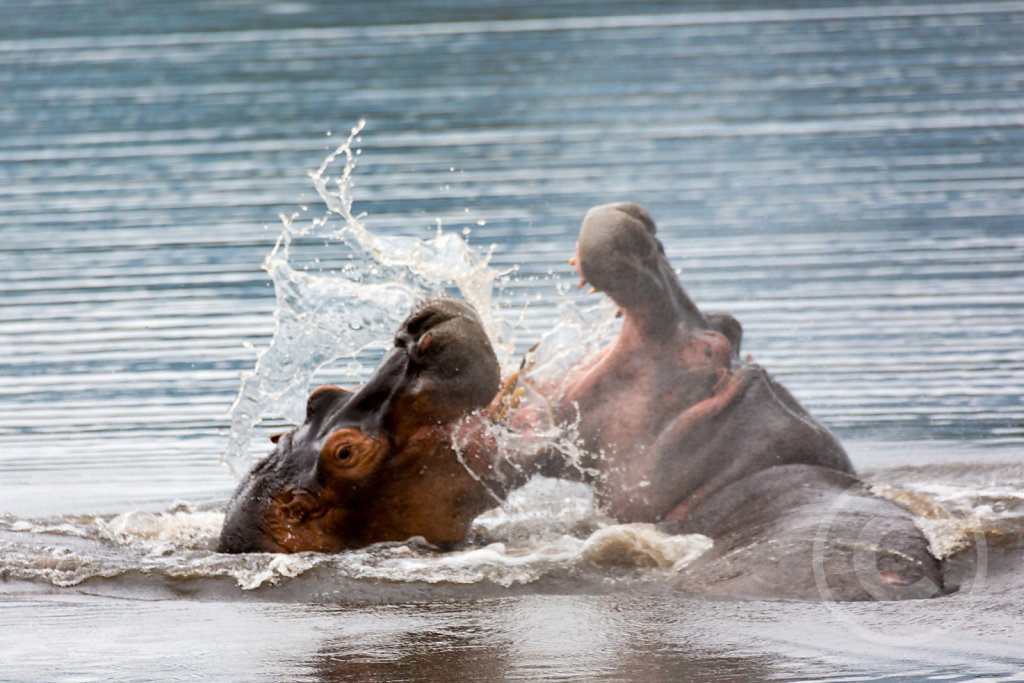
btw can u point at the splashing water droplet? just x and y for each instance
(320, 317)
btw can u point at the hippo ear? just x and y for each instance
(325, 397)
(729, 327)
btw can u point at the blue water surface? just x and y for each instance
(847, 178)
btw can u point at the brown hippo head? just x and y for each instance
(376, 463)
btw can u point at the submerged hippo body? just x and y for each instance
(684, 432)
(810, 533)
(378, 463)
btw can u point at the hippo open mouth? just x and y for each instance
(669, 355)
(670, 405)
(347, 476)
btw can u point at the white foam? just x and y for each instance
(649, 554)
(158, 532)
(954, 517)
(643, 545)
(271, 569)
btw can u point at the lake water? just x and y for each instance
(847, 178)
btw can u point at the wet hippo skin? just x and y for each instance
(682, 431)
(378, 463)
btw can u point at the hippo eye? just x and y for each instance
(349, 451)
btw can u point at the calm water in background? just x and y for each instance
(846, 178)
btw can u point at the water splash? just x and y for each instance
(554, 530)
(582, 331)
(324, 316)
(954, 514)
(159, 533)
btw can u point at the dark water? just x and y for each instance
(845, 177)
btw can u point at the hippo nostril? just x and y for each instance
(344, 453)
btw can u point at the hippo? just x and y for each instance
(381, 462)
(677, 429)
(684, 432)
